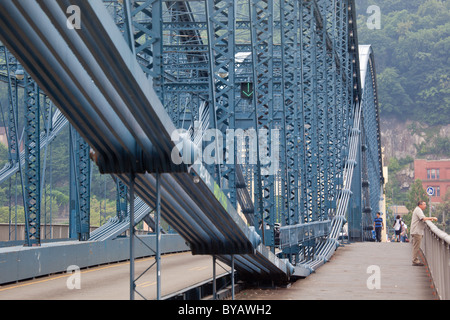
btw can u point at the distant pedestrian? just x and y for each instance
(417, 229)
(378, 226)
(404, 232)
(397, 227)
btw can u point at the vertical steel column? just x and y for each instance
(84, 183)
(121, 200)
(339, 89)
(261, 17)
(131, 231)
(80, 186)
(232, 277)
(73, 188)
(322, 112)
(290, 57)
(348, 83)
(158, 236)
(310, 126)
(353, 98)
(214, 278)
(220, 15)
(332, 146)
(32, 170)
(301, 145)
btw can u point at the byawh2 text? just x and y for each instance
(226, 309)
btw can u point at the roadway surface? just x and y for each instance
(358, 271)
(112, 281)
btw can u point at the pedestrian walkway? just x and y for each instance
(358, 271)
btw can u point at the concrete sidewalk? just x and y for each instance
(358, 271)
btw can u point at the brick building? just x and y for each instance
(434, 173)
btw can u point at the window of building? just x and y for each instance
(433, 174)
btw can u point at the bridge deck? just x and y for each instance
(111, 282)
(346, 275)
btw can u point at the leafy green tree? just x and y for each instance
(411, 55)
(5, 214)
(417, 193)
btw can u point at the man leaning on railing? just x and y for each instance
(417, 230)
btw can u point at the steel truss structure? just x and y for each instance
(285, 80)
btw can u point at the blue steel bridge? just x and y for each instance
(286, 78)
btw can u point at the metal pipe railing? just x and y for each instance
(436, 249)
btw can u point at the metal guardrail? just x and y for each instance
(436, 248)
(296, 234)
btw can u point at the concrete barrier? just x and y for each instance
(19, 263)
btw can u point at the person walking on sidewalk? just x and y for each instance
(417, 228)
(397, 227)
(378, 226)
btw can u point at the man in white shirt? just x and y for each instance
(417, 228)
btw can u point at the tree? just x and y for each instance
(411, 57)
(417, 193)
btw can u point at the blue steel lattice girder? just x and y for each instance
(332, 146)
(322, 116)
(261, 17)
(147, 18)
(80, 187)
(290, 29)
(310, 126)
(221, 42)
(121, 200)
(83, 168)
(339, 87)
(31, 171)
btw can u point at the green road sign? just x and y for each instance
(247, 90)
